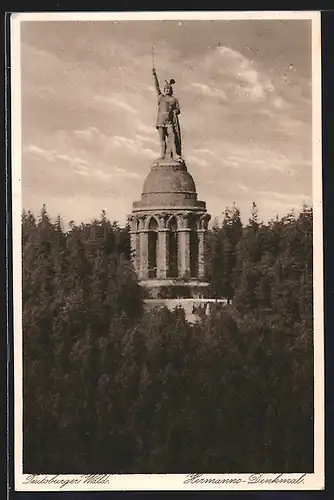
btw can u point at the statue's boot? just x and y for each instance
(175, 156)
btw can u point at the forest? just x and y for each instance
(112, 388)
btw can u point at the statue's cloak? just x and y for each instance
(177, 135)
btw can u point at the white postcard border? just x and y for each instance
(179, 482)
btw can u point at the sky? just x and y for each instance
(89, 110)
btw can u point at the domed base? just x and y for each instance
(169, 176)
(169, 184)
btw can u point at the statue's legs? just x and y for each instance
(162, 137)
(169, 141)
(171, 148)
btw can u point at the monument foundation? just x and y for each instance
(169, 233)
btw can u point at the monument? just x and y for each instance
(169, 224)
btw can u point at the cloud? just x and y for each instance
(117, 101)
(82, 172)
(267, 112)
(86, 133)
(288, 123)
(46, 154)
(52, 156)
(194, 160)
(238, 74)
(126, 173)
(79, 161)
(144, 138)
(143, 128)
(283, 196)
(133, 146)
(88, 172)
(208, 91)
(233, 161)
(203, 151)
(279, 103)
(89, 111)
(136, 145)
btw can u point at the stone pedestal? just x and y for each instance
(169, 208)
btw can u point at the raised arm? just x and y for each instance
(156, 82)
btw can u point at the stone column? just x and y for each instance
(162, 257)
(201, 253)
(184, 252)
(137, 253)
(143, 270)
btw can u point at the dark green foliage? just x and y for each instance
(79, 289)
(110, 388)
(223, 243)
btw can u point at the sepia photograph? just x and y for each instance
(167, 250)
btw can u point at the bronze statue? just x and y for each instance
(167, 121)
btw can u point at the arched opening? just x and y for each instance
(173, 249)
(193, 244)
(152, 248)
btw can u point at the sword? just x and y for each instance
(153, 56)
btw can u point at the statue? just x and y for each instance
(167, 121)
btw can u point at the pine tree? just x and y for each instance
(128, 391)
(223, 252)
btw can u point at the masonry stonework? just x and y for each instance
(169, 230)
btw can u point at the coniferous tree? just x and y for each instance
(129, 391)
(223, 243)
